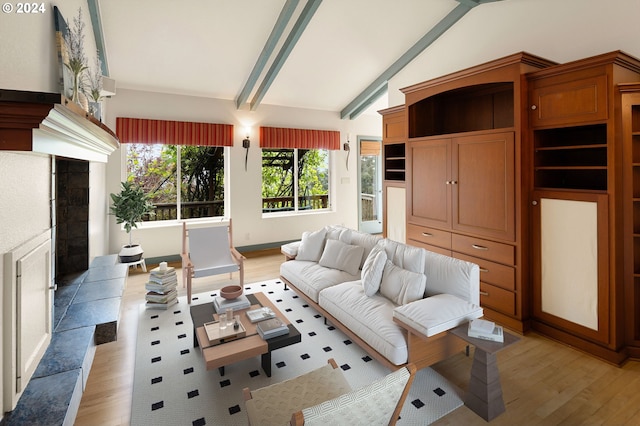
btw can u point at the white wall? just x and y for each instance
(558, 30)
(30, 62)
(244, 186)
(24, 214)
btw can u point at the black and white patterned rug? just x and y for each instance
(172, 387)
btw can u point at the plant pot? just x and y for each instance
(130, 253)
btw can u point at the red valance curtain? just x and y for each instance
(142, 130)
(279, 137)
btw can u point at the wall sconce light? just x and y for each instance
(246, 143)
(347, 147)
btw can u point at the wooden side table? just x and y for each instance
(484, 393)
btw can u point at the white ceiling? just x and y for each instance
(209, 47)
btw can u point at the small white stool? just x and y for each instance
(140, 262)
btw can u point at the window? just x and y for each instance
(157, 168)
(286, 172)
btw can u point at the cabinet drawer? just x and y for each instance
(435, 249)
(497, 298)
(435, 237)
(493, 273)
(556, 101)
(490, 250)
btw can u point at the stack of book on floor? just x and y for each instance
(162, 288)
(221, 304)
(487, 330)
(271, 328)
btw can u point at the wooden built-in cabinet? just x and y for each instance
(394, 138)
(630, 94)
(580, 173)
(464, 177)
(531, 170)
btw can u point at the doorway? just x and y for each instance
(370, 185)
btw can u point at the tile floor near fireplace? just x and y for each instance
(87, 310)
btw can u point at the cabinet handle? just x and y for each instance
(426, 234)
(477, 247)
(534, 107)
(484, 270)
(484, 293)
(448, 182)
(454, 182)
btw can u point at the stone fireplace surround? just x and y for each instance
(87, 302)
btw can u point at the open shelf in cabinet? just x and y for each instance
(479, 107)
(394, 161)
(571, 157)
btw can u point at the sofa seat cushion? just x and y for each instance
(370, 318)
(436, 314)
(311, 278)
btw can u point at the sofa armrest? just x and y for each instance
(448, 275)
(435, 314)
(290, 250)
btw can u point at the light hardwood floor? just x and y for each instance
(543, 382)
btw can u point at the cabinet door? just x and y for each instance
(394, 213)
(429, 184)
(483, 189)
(555, 101)
(570, 262)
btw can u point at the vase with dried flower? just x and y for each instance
(77, 62)
(95, 89)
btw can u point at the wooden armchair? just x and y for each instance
(209, 251)
(323, 397)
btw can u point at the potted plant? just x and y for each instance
(129, 206)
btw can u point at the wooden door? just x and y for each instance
(570, 262)
(429, 183)
(483, 187)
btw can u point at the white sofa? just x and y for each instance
(395, 300)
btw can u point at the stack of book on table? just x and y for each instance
(270, 328)
(260, 314)
(221, 304)
(162, 288)
(487, 330)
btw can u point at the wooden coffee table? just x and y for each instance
(218, 354)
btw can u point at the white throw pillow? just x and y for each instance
(338, 255)
(312, 245)
(400, 285)
(373, 269)
(335, 232)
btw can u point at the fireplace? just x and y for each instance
(53, 129)
(71, 217)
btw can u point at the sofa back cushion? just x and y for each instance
(453, 276)
(406, 257)
(338, 255)
(401, 286)
(312, 245)
(367, 241)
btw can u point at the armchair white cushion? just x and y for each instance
(323, 397)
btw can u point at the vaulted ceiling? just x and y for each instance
(334, 55)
